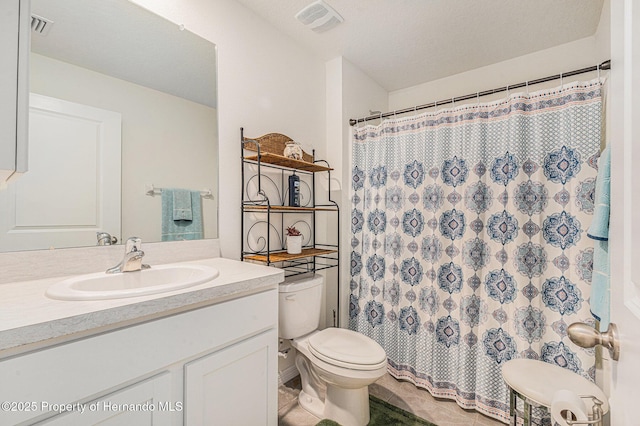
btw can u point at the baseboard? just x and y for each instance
(287, 374)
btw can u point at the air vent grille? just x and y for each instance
(40, 25)
(311, 13)
(319, 16)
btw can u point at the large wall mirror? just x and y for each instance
(122, 108)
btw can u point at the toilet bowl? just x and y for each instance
(344, 371)
(341, 362)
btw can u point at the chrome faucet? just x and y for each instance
(132, 260)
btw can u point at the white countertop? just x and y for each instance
(30, 320)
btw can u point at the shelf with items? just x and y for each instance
(265, 215)
(283, 256)
(309, 261)
(280, 161)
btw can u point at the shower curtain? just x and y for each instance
(469, 239)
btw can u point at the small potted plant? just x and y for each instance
(294, 240)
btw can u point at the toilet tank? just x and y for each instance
(299, 303)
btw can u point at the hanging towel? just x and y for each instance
(179, 229)
(599, 231)
(182, 204)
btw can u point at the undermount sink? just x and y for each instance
(157, 279)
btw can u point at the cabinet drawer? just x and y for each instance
(146, 403)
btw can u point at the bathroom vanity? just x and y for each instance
(195, 356)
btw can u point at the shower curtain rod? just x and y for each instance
(606, 65)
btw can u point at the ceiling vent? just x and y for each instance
(319, 16)
(40, 25)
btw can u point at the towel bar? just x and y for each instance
(152, 191)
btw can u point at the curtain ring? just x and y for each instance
(453, 102)
(561, 81)
(507, 90)
(526, 84)
(598, 72)
(477, 98)
(436, 106)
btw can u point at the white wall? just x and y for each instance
(266, 83)
(166, 140)
(350, 94)
(566, 57)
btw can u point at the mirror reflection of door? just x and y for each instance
(72, 189)
(161, 78)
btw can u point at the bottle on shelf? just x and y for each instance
(294, 190)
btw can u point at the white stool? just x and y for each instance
(535, 382)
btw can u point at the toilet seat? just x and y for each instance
(347, 349)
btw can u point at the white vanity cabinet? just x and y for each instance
(238, 377)
(14, 90)
(201, 367)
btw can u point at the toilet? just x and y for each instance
(341, 361)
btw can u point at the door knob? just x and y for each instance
(104, 239)
(586, 336)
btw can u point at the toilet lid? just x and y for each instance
(346, 348)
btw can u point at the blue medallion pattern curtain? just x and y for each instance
(469, 239)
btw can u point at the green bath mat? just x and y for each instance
(385, 414)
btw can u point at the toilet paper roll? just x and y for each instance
(563, 401)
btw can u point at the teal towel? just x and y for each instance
(599, 231)
(180, 230)
(182, 204)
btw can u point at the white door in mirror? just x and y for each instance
(158, 279)
(72, 189)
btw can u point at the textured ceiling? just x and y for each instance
(123, 40)
(401, 43)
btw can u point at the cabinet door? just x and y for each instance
(236, 386)
(14, 45)
(145, 403)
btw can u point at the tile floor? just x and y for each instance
(405, 395)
